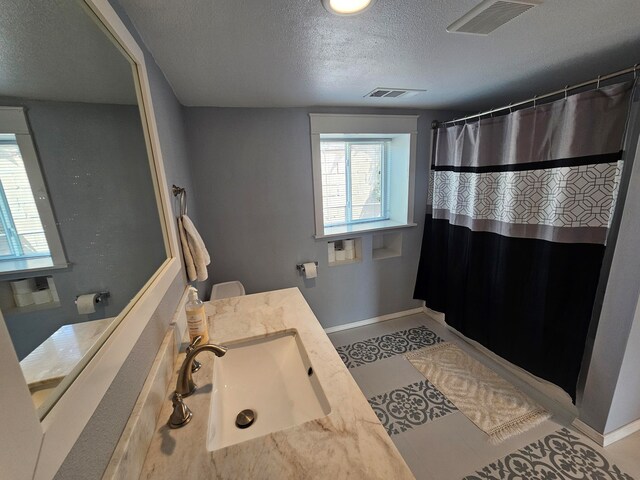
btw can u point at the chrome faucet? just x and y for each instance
(185, 386)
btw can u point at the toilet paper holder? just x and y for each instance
(300, 267)
(101, 297)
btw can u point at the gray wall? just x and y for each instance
(611, 397)
(95, 165)
(625, 406)
(91, 453)
(253, 180)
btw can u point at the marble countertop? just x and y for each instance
(60, 353)
(350, 442)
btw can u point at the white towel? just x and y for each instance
(196, 256)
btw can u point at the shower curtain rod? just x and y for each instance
(537, 98)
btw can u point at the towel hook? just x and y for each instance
(183, 198)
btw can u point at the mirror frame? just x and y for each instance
(42, 445)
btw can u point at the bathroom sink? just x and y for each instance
(273, 379)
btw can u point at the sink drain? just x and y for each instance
(245, 418)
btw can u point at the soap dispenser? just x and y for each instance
(196, 317)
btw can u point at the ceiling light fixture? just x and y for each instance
(347, 7)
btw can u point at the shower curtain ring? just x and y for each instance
(635, 70)
(598, 84)
(566, 88)
(510, 109)
(535, 97)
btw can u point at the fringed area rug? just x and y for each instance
(489, 401)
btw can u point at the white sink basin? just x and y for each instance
(271, 376)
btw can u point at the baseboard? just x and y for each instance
(437, 316)
(622, 432)
(608, 438)
(588, 431)
(369, 321)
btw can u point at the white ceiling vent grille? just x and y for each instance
(381, 92)
(491, 14)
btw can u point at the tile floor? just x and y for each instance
(440, 443)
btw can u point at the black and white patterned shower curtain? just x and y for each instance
(518, 215)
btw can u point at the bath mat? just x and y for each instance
(489, 401)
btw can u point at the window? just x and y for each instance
(28, 236)
(362, 166)
(353, 180)
(21, 231)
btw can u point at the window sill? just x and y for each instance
(344, 262)
(342, 230)
(32, 308)
(28, 265)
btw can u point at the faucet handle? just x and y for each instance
(195, 366)
(181, 414)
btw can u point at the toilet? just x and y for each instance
(226, 290)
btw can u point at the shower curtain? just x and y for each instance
(515, 232)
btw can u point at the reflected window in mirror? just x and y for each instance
(25, 244)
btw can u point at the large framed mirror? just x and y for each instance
(88, 247)
(88, 244)
(84, 231)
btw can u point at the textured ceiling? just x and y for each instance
(53, 50)
(266, 53)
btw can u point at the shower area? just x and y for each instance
(524, 211)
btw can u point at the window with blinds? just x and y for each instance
(353, 180)
(21, 232)
(363, 172)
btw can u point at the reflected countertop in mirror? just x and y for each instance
(58, 355)
(78, 206)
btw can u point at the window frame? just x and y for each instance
(13, 120)
(347, 127)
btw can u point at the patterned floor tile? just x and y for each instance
(384, 346)
(410, 406)
(559, 456)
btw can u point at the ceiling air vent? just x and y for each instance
(393, 93)
(491, 14)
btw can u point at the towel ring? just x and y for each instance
(179, 191)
